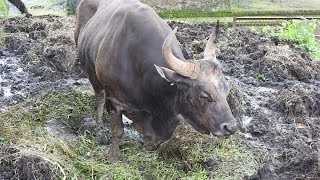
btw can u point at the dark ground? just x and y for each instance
(277, 103)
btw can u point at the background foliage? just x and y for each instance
(4, 8)
(302, 32)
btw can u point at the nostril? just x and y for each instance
(228, 129)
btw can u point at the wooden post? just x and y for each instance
(225, 23)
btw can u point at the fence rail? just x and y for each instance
(262, 21)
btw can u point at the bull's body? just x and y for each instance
(119, 49)
(119, 42)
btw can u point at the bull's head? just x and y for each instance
(202, 89)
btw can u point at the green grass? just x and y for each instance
(267, 5)
(300, 31)
(22, 127)
(4, 8)
(2, 36)
(46, 8)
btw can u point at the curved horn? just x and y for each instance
(211, 46)
(187, 69)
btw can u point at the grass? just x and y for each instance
(46, 8)
(300, 31)
(185, 157)
(2, 36)
(266, 5)
(4, 8)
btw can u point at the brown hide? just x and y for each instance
(134, 61)
(119, 47)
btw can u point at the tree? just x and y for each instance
(20, 5)
(4, 8)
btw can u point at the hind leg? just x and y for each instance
(100, 97)
(117, 130)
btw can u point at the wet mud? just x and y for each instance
(275, 88)
(37, 58)
(280, 90)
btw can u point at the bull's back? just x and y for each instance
(123, 36)
(99, 20)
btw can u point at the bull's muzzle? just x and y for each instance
(228, 128)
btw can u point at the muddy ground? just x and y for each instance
(277, 88)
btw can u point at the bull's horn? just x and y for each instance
(187, 69)
(211, 46)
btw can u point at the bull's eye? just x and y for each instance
(206, 98)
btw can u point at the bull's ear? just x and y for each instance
(172, 77)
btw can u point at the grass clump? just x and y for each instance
(4, 8)
(2, 36)
(187, 155)
(302, 32)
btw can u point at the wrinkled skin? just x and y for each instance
(206, 95)
(136, 68)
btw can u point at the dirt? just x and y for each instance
(38, 58)
(14, 165)
(275, 90)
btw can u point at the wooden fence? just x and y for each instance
(265, 21)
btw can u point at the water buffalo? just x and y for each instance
(136, 68)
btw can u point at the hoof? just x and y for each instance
(113, 159)
(150, 146)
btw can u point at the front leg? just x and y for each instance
(149, 141)
(117, 133)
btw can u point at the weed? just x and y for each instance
(4, 8)
(261, 77)
(2, 36)
(303, 32)
(71, 6)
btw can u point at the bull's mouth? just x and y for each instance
(206, 130)
(216, 134)
(201, 129)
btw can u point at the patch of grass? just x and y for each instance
(275, 5)
(2, 36)
(236, 12)
(193, 14)
(300, 31)
(71, 6)
(188, 155)
(47, 8)
(4, 8)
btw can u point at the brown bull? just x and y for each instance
(137, 69)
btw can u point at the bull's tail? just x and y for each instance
(85, 10)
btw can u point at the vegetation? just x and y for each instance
(275, 5)
(2, 36)
(186, 156)
(4, 8)
(71, 6)
(302, 32)
(54, 7)
(195, 14)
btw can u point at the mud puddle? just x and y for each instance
(278, 107)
